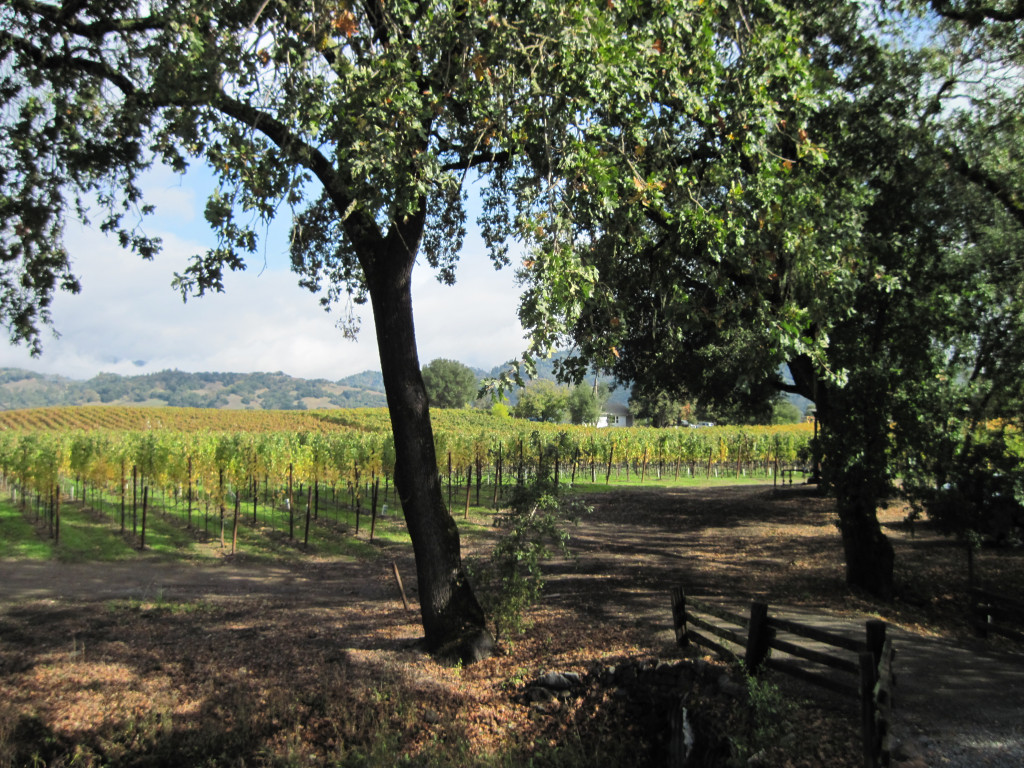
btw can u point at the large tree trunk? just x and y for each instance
(453, 620)
(854, 440)
(869, 554)
(852, 445)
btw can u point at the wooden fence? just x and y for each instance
(788, 472)
(867, 677)
(996, 613)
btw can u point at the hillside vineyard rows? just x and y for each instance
(116, 458)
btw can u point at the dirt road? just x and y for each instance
(959, 701)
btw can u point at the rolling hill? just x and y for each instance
(20, 388)
(25, 389)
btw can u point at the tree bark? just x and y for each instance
(869, 553)
(453, 621)
(853, 439)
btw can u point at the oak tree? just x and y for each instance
(542, 400)
(869, 243)
(364, 121)
(584, 403)
(449, 383)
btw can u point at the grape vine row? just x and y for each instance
(233, 461)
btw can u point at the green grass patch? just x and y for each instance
(166, 537)
(93, 533)
(700, 480)
(84, 536)
(18, 537)
(272, 537)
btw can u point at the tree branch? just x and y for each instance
(360, 228)
(477, 160)
(975, 15)
(64, 18)
(50, 61)
(1010, 201)
(377, 15)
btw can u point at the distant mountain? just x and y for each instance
(21, 388)
(372, 380)
(25, 389)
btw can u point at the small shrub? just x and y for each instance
(769, 709)
(509, 580)
(769, 717)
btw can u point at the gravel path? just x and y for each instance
(958, 706)
(955, 705)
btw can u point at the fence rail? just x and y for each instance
(868, 679)
(998, 613)
(787, 474)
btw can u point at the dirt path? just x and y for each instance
(158, 580)
(959, 701)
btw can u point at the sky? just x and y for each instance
(128, 320)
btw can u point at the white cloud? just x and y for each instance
(474, 321)
(174, 196)
(128, 320)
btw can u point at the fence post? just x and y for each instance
(883, 705)
(679, 616)
(875, 636)
(759, 637)
(868, 679)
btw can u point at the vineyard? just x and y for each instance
(236, 474)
